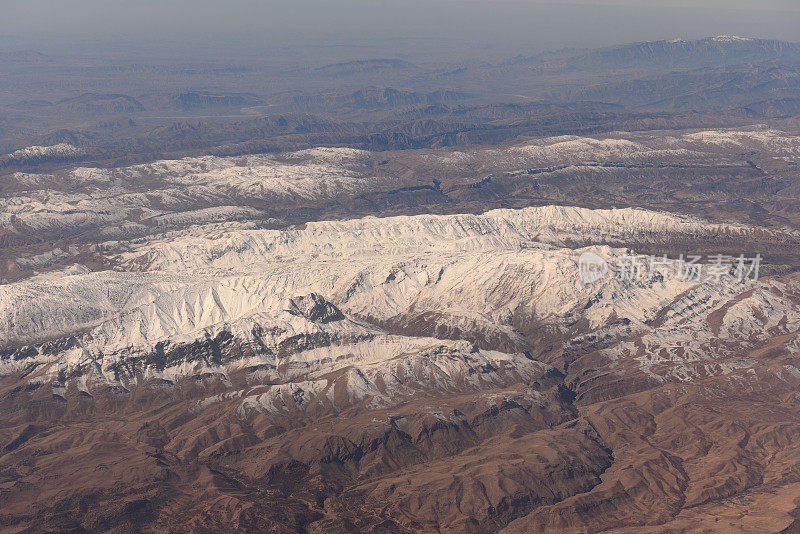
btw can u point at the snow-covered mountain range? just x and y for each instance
(375, 309)
(372, 326)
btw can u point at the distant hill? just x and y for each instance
(86, 104)
(668, 55)
(372, 98)
(194, 100)
(365, 65)
(100, 103)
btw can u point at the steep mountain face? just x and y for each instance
(34, 155)
(454, 373)
(323, 253)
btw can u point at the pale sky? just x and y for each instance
(515, 24)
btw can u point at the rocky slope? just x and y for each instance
(50, 219)
(436, 373)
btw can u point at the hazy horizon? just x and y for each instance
(359, 28)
